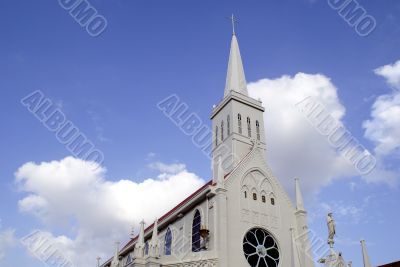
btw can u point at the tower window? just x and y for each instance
(222, 130)
(168, 242)
(240, 123)
(258, 130)
(254, 196)
(196, 231)
(245, 194)
(263, 199)
(248, 127)
(228, 125)
(272, 201)
(216, 135)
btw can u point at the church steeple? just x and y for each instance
(237, 120)
(235, 78)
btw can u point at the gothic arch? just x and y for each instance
(259, 179)
(196, 226)
(168, 239)
(260, 191)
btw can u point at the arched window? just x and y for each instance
(254, 196)
(258, 130)
(263, 199)
(222, 131)
(196, 231)
(146, 248)
(272, 201)
(248, 127)
(168, 242)
(240, 123)
(216, 135)
(228, 125)
(245, 194)
(128, 259)
(261, 249)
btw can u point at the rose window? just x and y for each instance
(260, 248)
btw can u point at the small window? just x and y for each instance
(222, 131)
(216, 135)
(228, 125)
(263, 199)
(245, 194)
(254, 196)
(240, 123)
(272, 201)
(258, 130)
(248, 127)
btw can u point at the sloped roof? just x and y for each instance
(170, 212)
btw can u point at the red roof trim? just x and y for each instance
(171, 211)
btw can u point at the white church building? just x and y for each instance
(243, 216)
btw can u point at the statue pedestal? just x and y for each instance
(333, 259)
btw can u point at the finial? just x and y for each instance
(367, 262)
(98, 261)
(233, 21)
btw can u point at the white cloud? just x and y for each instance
(167, 168)
(384, 126)
(294, 147)
(7, 240)
(72, 194)
(391, 73)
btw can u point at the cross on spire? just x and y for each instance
(235, 78)
(233, 21)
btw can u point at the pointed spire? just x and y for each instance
(139, 246)
(367, 263)
(115, 261)
(235, 78)
(141, 233)
(299, 196)
(154, 250)
(154, 237)
(295, 252)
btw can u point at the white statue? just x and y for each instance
(331, 228)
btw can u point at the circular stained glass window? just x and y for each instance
(260, 248)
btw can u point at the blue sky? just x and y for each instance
(109, 87)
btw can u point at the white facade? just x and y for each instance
(246, 217)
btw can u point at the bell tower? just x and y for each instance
(237, 120)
